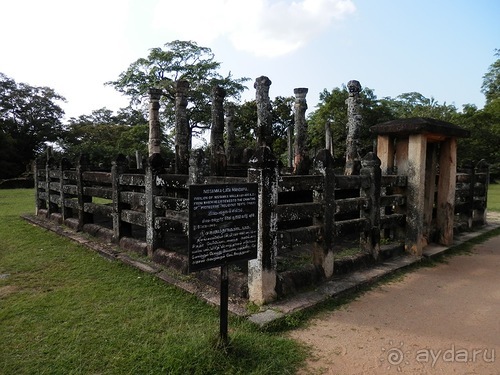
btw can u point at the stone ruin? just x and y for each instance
(395, 201)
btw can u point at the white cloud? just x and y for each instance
(262, 27)
(71, 46)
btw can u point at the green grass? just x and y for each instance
(494, 197)
(66, 310)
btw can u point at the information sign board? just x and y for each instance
(222, 224)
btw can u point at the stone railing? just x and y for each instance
(147, 211)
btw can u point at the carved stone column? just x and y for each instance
(352, 159)
(230, 136)
(182, 133)
(264, 124)
(218, 157)
(154, 121)
(301, 158)
(262, 272)
(417, 150)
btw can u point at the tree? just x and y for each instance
(103, 116)
(244, 118)
(282, 118)
(414, 104)
(332, 111)
(484, 124)
(491, 81)
(29, 118)
(103, 135)
(178, 60)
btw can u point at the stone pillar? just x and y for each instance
(264, 120)
(323, 164)
(64, 165)
(230, 136)
(154, 166)
(370, 239)
(468, 168)
(262, 274)
(83, 217)
(417, 146)
(301, 157)
(120, 228)
(431, 170)
(483, 175)
(401, 156)
(354, 123)
(218, 159)
(446, 191)
(385, 152)
(154, 121)
(40, 202)
(49, 164)
(182, 131)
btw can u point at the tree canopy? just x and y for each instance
(244, 117)
(103, 135)
(491, 81)
(332, 111)
(30, 117)
(178, 60)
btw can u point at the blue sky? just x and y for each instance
(440, 48)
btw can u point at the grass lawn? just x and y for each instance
(66, 310)
(494, 197)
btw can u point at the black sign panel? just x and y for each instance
(222, 224)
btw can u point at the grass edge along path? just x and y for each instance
(66, 310)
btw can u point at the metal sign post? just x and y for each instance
(224, 302)
(222, 230)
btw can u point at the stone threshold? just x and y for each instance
(274, 311)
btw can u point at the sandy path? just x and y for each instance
(440, 320)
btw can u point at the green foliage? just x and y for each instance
(491, 81)
(332, 111)
(29, 118)
(244, 118)
(163, 67)
(103, 135)
(66, 310)
(104, 142)
(414, 104)
(282, 118)
(484, 126)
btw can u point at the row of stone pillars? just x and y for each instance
(221, 152)
(182, 129)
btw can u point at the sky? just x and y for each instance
(439, 48)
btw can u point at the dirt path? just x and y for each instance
(440, 320)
